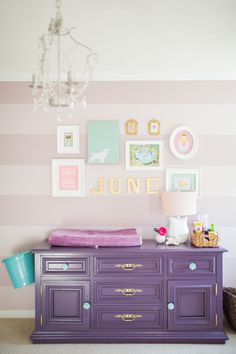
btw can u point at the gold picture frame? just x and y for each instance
(131, 127)
(154, 127)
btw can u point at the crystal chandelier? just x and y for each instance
(64, 68)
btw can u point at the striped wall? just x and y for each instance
(28, 143)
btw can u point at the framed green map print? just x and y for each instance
(144, 155)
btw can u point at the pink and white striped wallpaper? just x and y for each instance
(28, 143)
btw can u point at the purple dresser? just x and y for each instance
(149, 293)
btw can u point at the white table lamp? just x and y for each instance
(178, 205)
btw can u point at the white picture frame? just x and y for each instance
(68, 178)
(144, 155)
(183, 142)
(68, 139)
(183, 180)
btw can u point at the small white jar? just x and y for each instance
(159, 238)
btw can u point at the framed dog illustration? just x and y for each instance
(103, 142)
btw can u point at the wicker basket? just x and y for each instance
(202, 240)
(229, 303)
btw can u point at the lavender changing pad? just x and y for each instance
(94, 238)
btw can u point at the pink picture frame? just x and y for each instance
(68, 178)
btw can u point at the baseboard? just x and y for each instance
(17, 314)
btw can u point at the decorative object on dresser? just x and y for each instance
(183, 180)
(160, 234)
(150, 293)
(67, 139)
(203, 240)
(131, 127)
(178, 205)
(183, 142)
(144, 155)
(203, 236)
(154, 127)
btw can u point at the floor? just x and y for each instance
(14, 338)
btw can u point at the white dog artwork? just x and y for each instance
(99, 156)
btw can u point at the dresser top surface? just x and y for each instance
(148, 245)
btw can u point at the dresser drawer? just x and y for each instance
(127, 266)
(65, 265)
(128, 291)
(128, 317)
(192, 265)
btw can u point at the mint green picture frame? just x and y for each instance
(103, 142)
(183, 180)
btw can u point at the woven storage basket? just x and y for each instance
(229, 303)
(202, 240)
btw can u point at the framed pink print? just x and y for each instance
(68, 178)
(183, 142)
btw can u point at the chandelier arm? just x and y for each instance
(68, 33)
(77, 42)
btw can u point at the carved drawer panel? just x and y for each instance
(128, 317)
(128, 291)
(128, 266)
(65, 265)
(192, 265)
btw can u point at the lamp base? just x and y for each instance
(178, 228)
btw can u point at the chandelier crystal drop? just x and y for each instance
(64, 68)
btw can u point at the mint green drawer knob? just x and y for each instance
(65, 266)
(171, 306)
(192, 266)
(86, 305)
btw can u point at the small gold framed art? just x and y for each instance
(131, 127)
(154, 127)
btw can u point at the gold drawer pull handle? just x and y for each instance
(128, 317)
(128, 266)
(129, 292)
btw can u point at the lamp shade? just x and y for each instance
(179, 203)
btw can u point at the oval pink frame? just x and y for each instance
(184, 155)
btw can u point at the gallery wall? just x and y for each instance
(28, 143)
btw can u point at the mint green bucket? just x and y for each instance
(20, 269)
